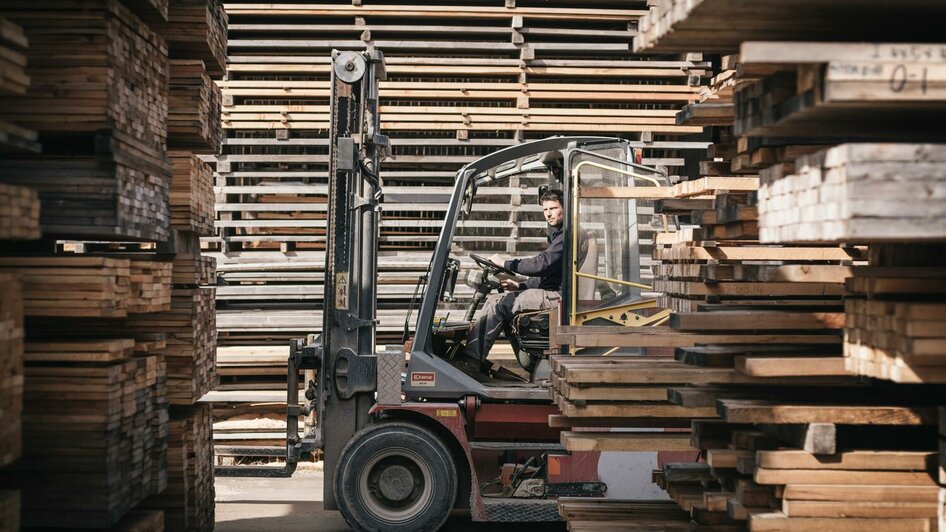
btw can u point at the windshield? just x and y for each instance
(505, 219)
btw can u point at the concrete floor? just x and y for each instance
(295, 504)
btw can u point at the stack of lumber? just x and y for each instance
(149, 287)
(129, 95)
(197, 30)
(592, 514)
(141, 521)
(154, 12)
(193, 108)
(104, 169)
(72, 286)
(896, 316)
(19, 213)
(95, 197)
(193, 269)
(89, 459)
(191, 342)
(11, 367)
(188, 502)
(191, 194)
(14, 81)
(857, 193)
(13, 44)
(9, 510)
(825, 124)
(719, 26)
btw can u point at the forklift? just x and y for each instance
(406, 435)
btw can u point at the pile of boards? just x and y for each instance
(836, 260)
(96, 102)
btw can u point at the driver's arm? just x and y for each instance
(543, 263)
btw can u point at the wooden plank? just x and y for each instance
(780, 522)
(831, 477)
(849, 460)
(791, 367)
(616, 441)
(740, 411)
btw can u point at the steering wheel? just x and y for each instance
(489, 266)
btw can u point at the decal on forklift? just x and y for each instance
(341, 290)
(423, 378)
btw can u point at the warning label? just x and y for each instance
(423, 378)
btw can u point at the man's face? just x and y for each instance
(552, 210)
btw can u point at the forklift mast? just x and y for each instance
(344, 354)
(347, 376)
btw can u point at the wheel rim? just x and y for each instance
(395, 485)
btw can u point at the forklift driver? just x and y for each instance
(543, 289)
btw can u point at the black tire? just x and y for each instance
(372, 472)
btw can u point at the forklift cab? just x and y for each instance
(495, 208)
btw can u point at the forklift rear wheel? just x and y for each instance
(395, 476)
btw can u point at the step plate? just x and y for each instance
(521, 510)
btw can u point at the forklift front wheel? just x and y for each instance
(395, 476)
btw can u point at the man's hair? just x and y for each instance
(552, 195)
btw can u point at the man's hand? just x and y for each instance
(497, 260)
(510, 285)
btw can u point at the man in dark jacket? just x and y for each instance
(543, 289)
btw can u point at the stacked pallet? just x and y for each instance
(86, 460)
(191, 194)
(193, 108)
(11, 367)
(19, 213)
(188, 502)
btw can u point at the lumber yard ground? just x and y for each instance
(295, 504)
